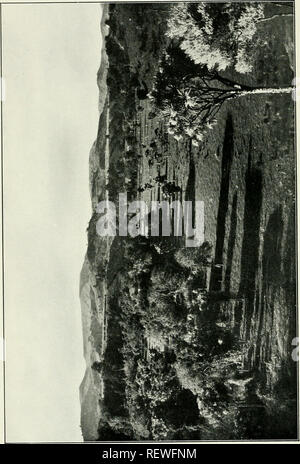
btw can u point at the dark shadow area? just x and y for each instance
(271, 258)
(277, 420)
(253, 416)
(106, 433)
(271, 266)
(190, 193)
(180, 410)
(284, 424)
(250, 245)
(231, 243)
(290, 272)
(216, 274)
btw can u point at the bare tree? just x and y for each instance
(205, 98)
(190, 96)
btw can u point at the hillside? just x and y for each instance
(192, 343)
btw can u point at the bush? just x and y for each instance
(194, 259)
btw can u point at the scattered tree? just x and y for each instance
(190, 95)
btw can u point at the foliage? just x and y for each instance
(217, 35)
(189, 96)
(194, 258)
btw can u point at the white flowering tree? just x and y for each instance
(218, 35)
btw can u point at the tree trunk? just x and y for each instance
(239, 88)
(265, 91)
(283, 4)
(231, 83)
(236, 93)
(278, 15)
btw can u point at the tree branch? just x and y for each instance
(279, 15)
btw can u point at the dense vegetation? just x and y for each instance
(163, 299)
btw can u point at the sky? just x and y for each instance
(51, 54)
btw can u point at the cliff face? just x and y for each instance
(91, 296)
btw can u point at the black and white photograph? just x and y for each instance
(149, 222)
